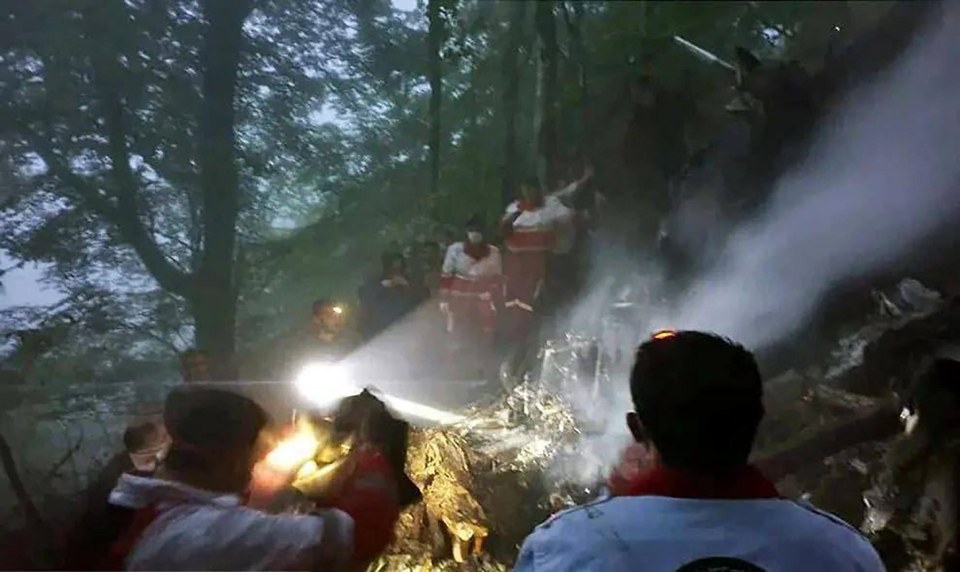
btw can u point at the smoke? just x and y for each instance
(882, 175)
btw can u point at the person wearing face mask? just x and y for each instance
(190, 513)
(535, 227)
(471, 287)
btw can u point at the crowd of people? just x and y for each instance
(183, 493)
(486, 289)
(684, 498)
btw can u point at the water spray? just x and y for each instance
(703, 54)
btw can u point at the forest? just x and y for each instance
(194, 174)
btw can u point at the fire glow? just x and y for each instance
(291, 453)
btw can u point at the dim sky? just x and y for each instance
(24, 286)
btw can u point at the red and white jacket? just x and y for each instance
(179, 527)
(550, 227)
(468, 273)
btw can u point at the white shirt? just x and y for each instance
(661, 534)
(458, 263)
(202, 530)
(553, 215)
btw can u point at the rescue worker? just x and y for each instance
(471, 287)
(695, 504)
(329, 336)
(564, 264)
(188, 515)
(388, 298)
(534, 227)
(194, 366)
(145, 441)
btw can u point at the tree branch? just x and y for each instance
(63, 460)
(166, 343)
(131, 230)
(124, 215)
(16, 483)
(107, 76)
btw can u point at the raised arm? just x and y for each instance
(573, 188)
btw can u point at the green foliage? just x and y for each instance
(332, 127)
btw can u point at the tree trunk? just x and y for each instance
(214, 298)
(578, 56)
(435, 73)
(548, 136)
(511, 100)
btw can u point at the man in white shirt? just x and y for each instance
(189, 515)
(471, 286)
(695, 505)
(534, 227)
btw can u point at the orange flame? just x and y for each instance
(292, 452)
(664, 335)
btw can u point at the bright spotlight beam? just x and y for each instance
(323, 384)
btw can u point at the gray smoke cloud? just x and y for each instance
(883, 174)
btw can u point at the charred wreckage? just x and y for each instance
(874, 437)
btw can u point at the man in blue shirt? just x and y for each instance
(696, 505)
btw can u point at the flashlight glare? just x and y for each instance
(337, 310)
(423, 411)
(324, 384)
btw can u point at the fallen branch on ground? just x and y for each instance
(63, 460)
(817, 443)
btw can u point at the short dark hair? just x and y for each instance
(320, 304)
(700, 399)
(475, 222)
(138, 436)
(206, 424)
(388, 258)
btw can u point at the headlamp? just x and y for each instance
(664, 335)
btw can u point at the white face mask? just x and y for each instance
(474, 236)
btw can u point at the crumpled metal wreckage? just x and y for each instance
(907, 479)
(490, 479)
(484, 483)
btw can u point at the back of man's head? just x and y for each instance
(699, 398)
(210, 427)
